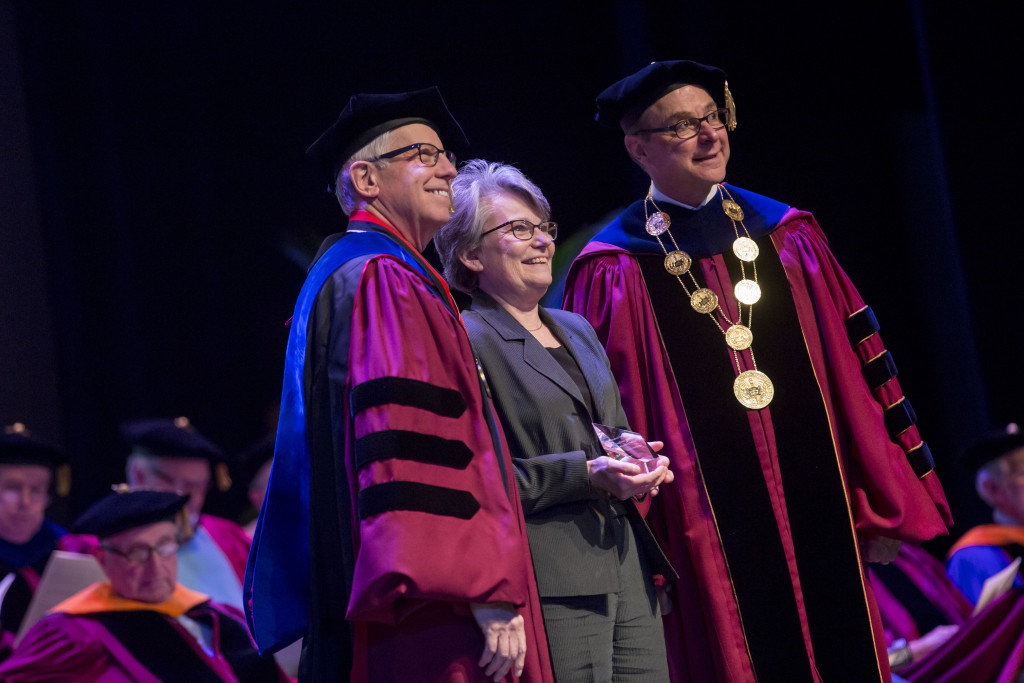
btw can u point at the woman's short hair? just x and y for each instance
(473, 192)
(343, 188)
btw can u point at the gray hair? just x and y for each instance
(473, 190)
(344, 191)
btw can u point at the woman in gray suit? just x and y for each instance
(595, 558)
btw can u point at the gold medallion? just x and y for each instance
(745, 249)
(657, 223)
(747, 291)
(753, 389)
(677, 262)
(739, 337)
(732, 209)
(704, 300)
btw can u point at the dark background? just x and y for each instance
(157, 214)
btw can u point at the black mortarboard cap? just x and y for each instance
(169, 438)
(19, 447)
(124, 509)
(634, 93)
(367, 116)
(993, 445)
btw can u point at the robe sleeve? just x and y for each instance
(893, 488)
(57, 649)
(433, 514)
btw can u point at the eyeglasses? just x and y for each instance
(138, 554)
(14, 494)
(684, 129)
(522, 229)
(429, 154)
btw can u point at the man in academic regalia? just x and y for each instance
(793, 466)
(31, 471)
(392, 535)
(172, 455)
(998, 460)
(141, 624)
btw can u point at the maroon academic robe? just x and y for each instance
(791, 490)
(97, 637)
(413, 508)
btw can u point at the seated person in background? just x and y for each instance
(998, 459)
(171, 455)
(920, 608)
(141, 625)
(29, 470)
(592, 552)
(253, 472)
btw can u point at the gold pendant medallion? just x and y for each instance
(677, 262)
(704, 300)
(745, 249)
(657, 223)
(732, 209)
(747, 292)
(753, 389)
(739, 337)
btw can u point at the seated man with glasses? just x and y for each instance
(795, 454)
(141, 624)
(391, 536)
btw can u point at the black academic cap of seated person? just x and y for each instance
(367, 116)
(169, 438)
(19, 447)
(125, 509)
(994, 445)
(634, 93)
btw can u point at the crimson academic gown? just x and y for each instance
(390, 462)
(97, 636)
(768, 506)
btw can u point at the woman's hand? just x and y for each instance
(624, 479)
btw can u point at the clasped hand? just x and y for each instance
(504, 638)
(624, 479)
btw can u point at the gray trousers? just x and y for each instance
(609, 638)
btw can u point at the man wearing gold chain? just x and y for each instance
(795, 452)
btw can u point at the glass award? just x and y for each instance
(627, 446)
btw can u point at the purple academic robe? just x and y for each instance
(769, 508)
(95, 637)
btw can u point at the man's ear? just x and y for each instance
(636, 145)
(363, 176)
(471, 259)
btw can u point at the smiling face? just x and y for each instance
(683, 169)
(23, 499)
(150, 581)
(513, 271)
(412, 196)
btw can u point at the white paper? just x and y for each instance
(996, 585)
(65, 574)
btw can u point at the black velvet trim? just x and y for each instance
(920, 459)
(407, 392)
(416, 497)
(925, 614)
(823, 537)
(879, 370)
(158, 646)
(236, 646)
(404, 445)
(899, 417)
(861, 325)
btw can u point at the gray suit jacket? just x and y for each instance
(549, 430)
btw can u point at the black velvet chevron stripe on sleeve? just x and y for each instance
(879, 370)
(407, 392)
(405, 445)
(414, 496)
(861, 325)
(899, 417)
(920, 459)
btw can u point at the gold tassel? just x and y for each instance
(730, 104)
(223, 477)
(451, 205)
(62, 480)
